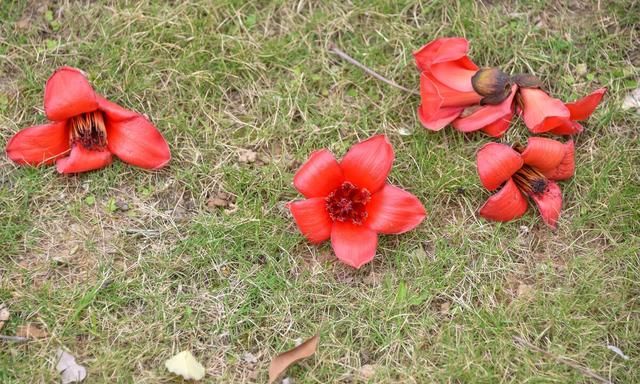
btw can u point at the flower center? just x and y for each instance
(530, 180)
(348, 202)
(88, 129)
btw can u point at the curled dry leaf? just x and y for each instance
(632, 100)
(185, 365)
(281, 362)
(70, 371)
(31, 331)
(4, 315)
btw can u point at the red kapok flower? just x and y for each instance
(543, 113)
(86, 130)
(350, 202)
(520, 171)
(445, 82)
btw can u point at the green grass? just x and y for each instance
(124, 290)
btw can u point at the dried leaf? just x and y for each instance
(70, 371)
(4, 315)
(617, 351)
(247, 156)
(185, 365)
(367, 371)
(31, 331)
(281, 362)
(524, 290)
(632, 100)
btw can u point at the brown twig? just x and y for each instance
(18, 339)
(349, 59)
(584, 370)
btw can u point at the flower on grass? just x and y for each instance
(350, 201)
(455, 91)
(86, 130)
(525, 171)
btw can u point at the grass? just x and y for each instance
(124, 290)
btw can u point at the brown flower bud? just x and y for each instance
(493, 84)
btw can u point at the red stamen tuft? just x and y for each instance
(89, 130)
(347, 203)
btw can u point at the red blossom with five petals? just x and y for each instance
(350, 201)
(86, 130)
(525, 171)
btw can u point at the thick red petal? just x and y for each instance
(393, 210)
(443, 50)
(134, 139)
(567, 166)
(496, 164)
(454, 75)
(549, 203)
(435, 95)
(319, 176)
(567, 128)
(113, 111)
(83, 160)
(367, 164)
(486, 115)
(440, 120)
(354, 245)
(67, 94)
(312, 218)
(508, 204)
(542, 112)
(583, 108)
(41, 144)
(500, 126)
(542, 153)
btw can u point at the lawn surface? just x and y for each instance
(125, 267)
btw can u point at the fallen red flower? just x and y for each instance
(543, 113)
(350, 202)
(455, 91)
(520, 171)
(86, 130)
(445, 81)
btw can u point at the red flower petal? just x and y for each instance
(567, 128)
(486, 115)
(113, 111)
(133, 138)
(442, 50)
(500, 126)
(435, 95)
(354, 245)
(319, 176)
(83, 160)
(567, 166)
(440, 120)
(455, 75)
(393, 210)
(368, 163)
(583, 108)
(506, 205)
(542, 153)
(549, 203)
(41, 144)
(496, 164)
(67, 94)
(542, 112)
(312, 218)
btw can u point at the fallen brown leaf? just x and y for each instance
(4, 315)
(367, 371)
(31, 331)
(70, 371)
(281, 362)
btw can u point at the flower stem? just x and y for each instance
(351, 60)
